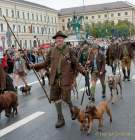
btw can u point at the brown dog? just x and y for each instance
(96, 112)
(80, 116)
(113, 82)
(8, 102)
(25, 90)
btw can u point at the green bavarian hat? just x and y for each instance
(61, 34)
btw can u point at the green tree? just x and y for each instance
(122, 29)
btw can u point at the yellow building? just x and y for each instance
(28, 20)
(99, 13)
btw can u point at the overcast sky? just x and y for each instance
(59, 4)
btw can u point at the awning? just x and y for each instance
(45, 46)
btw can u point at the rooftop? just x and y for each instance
(30, 3)
(95, 8)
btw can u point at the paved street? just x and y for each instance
(36, 119)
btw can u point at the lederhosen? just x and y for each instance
(58, 91)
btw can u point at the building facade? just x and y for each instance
(114, 12)
(28, 21)
(36, 23)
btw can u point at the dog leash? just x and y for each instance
(87, 84)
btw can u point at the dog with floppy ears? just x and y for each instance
(114, 81)
(80, 116)
(9, 103)
(91, 113)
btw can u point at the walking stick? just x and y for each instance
(27, 59)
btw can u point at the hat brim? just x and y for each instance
(64, 36)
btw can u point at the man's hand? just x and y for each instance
(31, 66)
(88, 62)
(101, 73)
(85, 72)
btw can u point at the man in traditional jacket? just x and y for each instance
(84, 53)
(126, 57)
(97, 63)
(113, 56)
(63, 64)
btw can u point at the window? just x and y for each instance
(38, 30)
(21, 43)
(86, 17)
(48, 20)
(18, 14)
(99, 16)
(1, 27)
(30, 44)
(52, 19)
(7, 12)
(55, 19)
(49, 31)
(33, 30)
(24, 28)
(126, 13)
(12, 12)
(42, 30)
(45, 18)
(38, 42)
(63, 20)
(92, 17)
(23, 15)
(0, 12)
(112, 15)
(13, 27)
(28, 16)
(45, 30)
(52, 30)
(25, 45)
(37, 17)
(19, 28)
(41, 17)
(32, 16)
(105, 15)
(118, 14)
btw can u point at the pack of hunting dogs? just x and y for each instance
(118, 55)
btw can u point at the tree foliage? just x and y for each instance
(109, 29)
